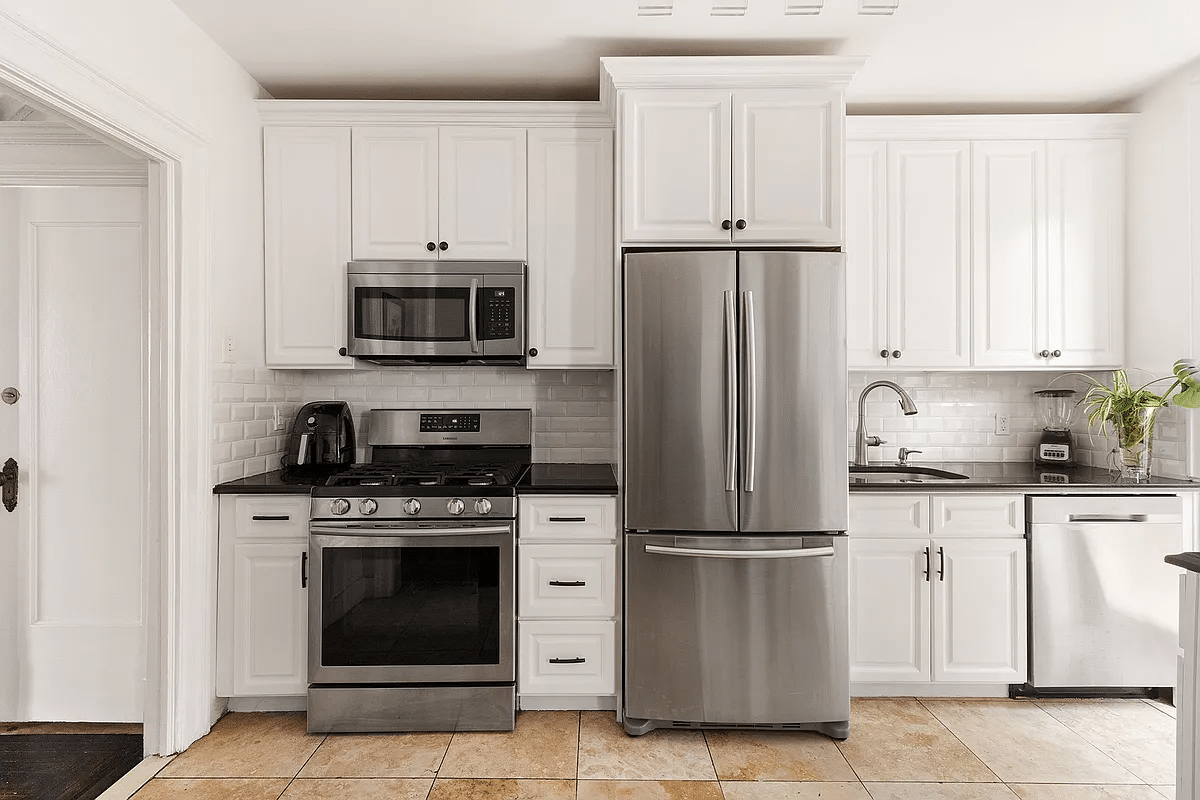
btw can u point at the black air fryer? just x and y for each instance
(321, 442)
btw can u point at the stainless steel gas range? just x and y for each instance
(412, 598)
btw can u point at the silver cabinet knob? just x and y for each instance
(367, 507)
(1057, 353)
(1044, 354)
(483, 506)
(456, 506)
(412, 506)
(340, 506)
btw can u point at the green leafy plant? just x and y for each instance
(1121, 407)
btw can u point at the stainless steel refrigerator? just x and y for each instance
(736, 491)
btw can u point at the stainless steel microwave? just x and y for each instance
(436, 312)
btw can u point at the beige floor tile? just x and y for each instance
(501, 789)
(1165, 708)
(778, 790)
(770, 756)
(607, 753)
(1166, 791)
(358, 789)
(545, 744)
(1022, 743)
(378, 755)
(649, 790)
(1130, 732)
(212, 789)
(1063, 791)
(248, 746)
(899, 740)
(940, 791)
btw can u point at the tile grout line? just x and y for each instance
(967, 747)
(292, 780)
(1083, 739)
(578, 748)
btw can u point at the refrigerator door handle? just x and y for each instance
(730, 392)
(751, 392)
(806, 552)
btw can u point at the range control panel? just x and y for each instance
(449, 423)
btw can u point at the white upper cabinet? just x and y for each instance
(743, 166)
(571, 289)
(306, 223)
(866, 254)
(450, 193)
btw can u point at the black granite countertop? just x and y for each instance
(1189, 561)
(274, 482)
(1024, 477)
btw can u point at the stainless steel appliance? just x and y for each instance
(736, 491)
(436, 312)
(1103, 607)
(321, 441)
(412, 562)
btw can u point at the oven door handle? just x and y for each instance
(354, 529)
(472, 312)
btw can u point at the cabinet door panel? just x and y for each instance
(1086, 252)
(866, 254)
(270, 629)
(1009, 249)
(889, 514)
(787, 157)
(481, 193)
(889, 610)
(570, 248)
(395, 192)
(677, 166)
(928, 223)
(979, 621)
(306, 222)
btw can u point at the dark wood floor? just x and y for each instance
(64, 766)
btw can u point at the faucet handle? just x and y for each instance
(902, 458)
(875, 441)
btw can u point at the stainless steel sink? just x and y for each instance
(907, 474)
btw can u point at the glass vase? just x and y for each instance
(1135, 440)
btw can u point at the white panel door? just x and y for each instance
(1086, 252)
(481, 193)
(787, 166)
(979, 620)
(74, 647)
(306, 222)
(270, 629)
(929, 266)
(571, 287)
(395, 200)
(676, 166)
(1008, 235)
(866, 255)
(889, 610)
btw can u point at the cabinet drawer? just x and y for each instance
(978, 514)
(271, 516)
(567, 657)
(883, 514)
(567, 517)
(567, 580)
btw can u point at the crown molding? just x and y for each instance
(32, 175)
(501, 113)
(989, 126)
(718, 72)
(44, 133)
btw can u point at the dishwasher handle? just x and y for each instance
(1108, 518)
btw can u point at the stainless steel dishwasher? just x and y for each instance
(1103, 607)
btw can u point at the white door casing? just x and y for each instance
(9, 448)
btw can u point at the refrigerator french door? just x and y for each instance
(736, 490)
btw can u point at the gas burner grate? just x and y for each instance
(439, 473)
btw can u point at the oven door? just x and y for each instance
(417, 317)
(409, 605)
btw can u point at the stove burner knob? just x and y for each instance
(340, 506)
(483, 506)
(456, 506)
(368, 507)
(412, 506)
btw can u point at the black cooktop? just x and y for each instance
(431, 473)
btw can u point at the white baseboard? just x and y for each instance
(566, 702)
(284, 703)
(929, 690)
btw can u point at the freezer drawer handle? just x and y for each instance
(568, 583)
(1107, 518)
(568, 519)
(271, 517)
(575, 660)
(806, 552)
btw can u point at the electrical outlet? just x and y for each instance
(278, 418)
(1002, 424)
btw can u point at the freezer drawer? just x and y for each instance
(737, 631)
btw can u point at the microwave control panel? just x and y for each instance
(499, 312)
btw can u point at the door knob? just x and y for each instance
(8, 485)
(10, 395)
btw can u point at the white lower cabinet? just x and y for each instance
(262, 620)
(566, 602)
(943, 608)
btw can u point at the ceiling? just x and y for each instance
(963, 55)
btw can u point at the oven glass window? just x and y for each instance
(414, 314)
(401, 606)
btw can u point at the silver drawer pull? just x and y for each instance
(568, 583)
(1107, 518)
(807, 552)
(271, 517)
(576, 660)
(568, 519)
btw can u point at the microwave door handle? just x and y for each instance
(472, 312)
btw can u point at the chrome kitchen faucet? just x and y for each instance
(861, 440)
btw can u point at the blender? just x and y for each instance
(1057, 446)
